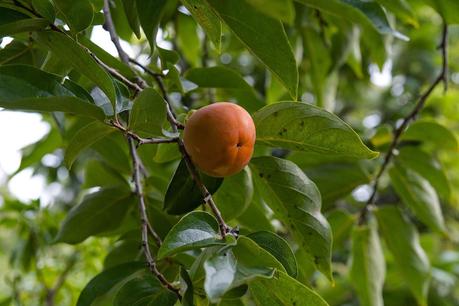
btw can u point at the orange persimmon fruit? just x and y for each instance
(219, 138)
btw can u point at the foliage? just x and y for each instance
(333, 209)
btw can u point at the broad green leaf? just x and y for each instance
(295, 200)
(258, 32)
(130, 9)
(24, 25)
(230, 268)
(167, 56)
(232, 204)
(126, 251)
(17, 52)
(228, 80)
(430, 169)
(28, 88)
(447, 9)
(99, 212)
(120, 20)
(150, 14)
(432, 134)
(166, 153)
(402, 239)
(45, 8)
(195, 230)
(207, 19)
(304, 127)
(277, 247)
(144, 290)
(283, 290)
(84, 138)
(183, 195)
(106, 280)
(367, 266)
(277, 9)
(77, 57)
(148, 114)
(77, 14)
(417, 193)
(337, 180)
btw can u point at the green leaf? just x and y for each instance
(277, 247)
(24, 25)
(106, 280)
(99, 212)
(75, 56)
(295, 200)
(367, 267)
(283, 290)
(84, 138)
(433, 134)
(130, 9)
(148, 114)
(277, 9)
(99, 174)
(337, 180)
(183, 195)
(341, 223)
(255, 217)
(402, 239)
(447, 9)
(144, 290)
(28, 88)
(402, 9)
(207, 19)
(195, 230)
(257, 32)
(77, 14)
(150, 14)
(230, 268)
(304, 127)
(45, 8)
(232, 204)
(228, 80)
(35, 152)
(417, 193)
(430, 169)
(366, 14)
(188, 40)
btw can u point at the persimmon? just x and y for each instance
(220, 138)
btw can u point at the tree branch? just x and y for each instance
(145, 224)
(141, 140)
(110, 27)
(398, 132)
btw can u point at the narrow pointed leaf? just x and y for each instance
(402, 239)
(207, 19)
(367, 267)
(295, 200)
(417, 193)
(258, 32)
(304, 127)
(75, 56)
(150, 13)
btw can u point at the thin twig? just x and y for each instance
(442, 77)
(145, 226)
(141, 140)
(110, 27)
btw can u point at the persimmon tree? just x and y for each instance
(350, 195)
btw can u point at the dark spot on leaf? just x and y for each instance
(261, 174)
(316, 260)
(275, 114)
(302, 123)
(284, 130)
(268, 176)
